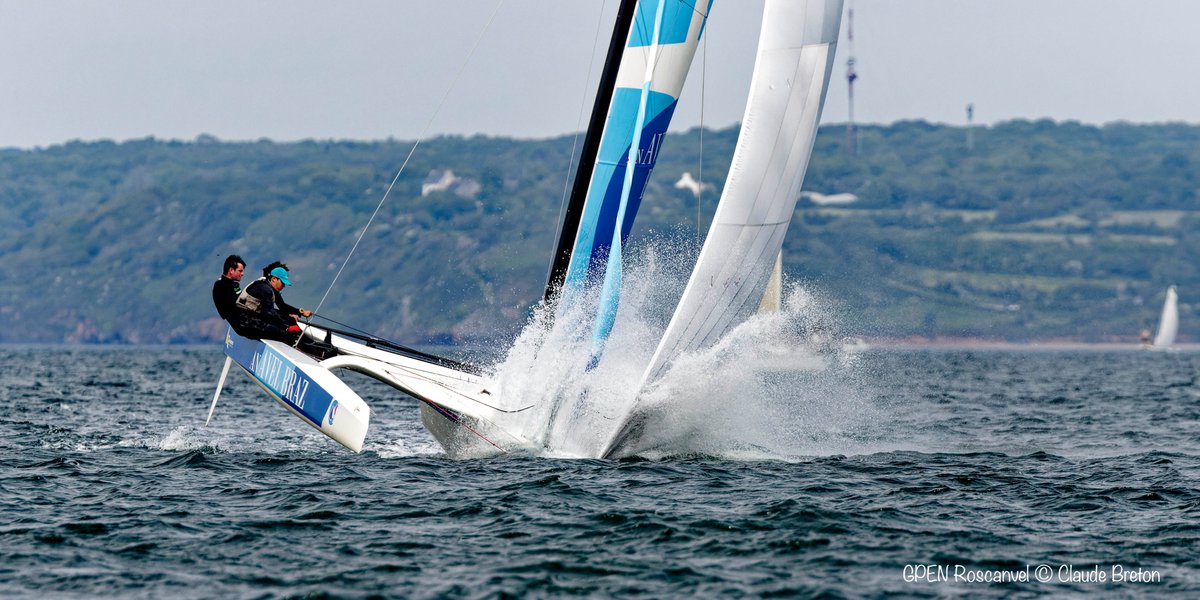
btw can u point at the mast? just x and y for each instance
(591, 147)
(850, 77)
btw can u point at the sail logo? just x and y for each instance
(333, 412)
(280, 377)
(649, 154)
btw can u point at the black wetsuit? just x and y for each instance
(225, 293)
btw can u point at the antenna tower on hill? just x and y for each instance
(971, 127)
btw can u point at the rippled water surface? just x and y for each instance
(982, 464)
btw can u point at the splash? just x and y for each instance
(781, 384)
(187, 438)
(226, 439)
(574, 408)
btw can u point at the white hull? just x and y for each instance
(457, 405)
(304, 387)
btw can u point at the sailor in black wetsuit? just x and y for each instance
(226, 290)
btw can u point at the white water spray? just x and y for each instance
(779, 385)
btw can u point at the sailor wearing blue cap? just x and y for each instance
(264, 315)
(281, 275)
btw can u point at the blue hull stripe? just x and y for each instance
(280, 375)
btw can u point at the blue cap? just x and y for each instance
(281, 273)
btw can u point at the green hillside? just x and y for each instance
(1040, 230)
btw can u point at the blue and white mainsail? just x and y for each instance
(646, 79)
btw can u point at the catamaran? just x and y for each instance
(650, 52)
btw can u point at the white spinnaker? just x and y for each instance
(791, 75)
(1168, 323)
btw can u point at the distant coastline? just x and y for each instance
(1061, 234)
(971, 343)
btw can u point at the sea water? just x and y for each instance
(913, 472)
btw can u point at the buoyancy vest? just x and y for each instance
(248, 302)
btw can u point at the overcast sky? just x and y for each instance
(372, 69)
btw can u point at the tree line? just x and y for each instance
(1039, 229)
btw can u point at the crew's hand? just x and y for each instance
(306, 313)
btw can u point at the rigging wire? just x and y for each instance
(700, 168)
(352, 328)
(424, 131)
(460, 422)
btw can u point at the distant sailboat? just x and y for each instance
(1168, 323)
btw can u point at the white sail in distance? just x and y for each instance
(791, 75)
(1168, 322)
